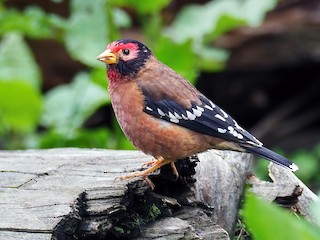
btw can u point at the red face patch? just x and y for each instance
(130, 56)
(116, 47)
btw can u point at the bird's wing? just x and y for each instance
(170, 97)
(206, 118)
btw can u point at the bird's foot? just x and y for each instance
(152, 162)
(157, 163)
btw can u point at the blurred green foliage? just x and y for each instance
(266, 221)
(31, 119)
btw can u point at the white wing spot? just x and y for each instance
(232, 131)
(177, 115)
(224, 113)
(294, 167)
(175, 120)
(257, 141)
(237, 125)
(184, 117)
(235, 133)
(190, 116)
(212, 104)
(220, 117)
(170, 115)
(222, 130)
(200, 108)
(196, 112)
(160, 112)
(208, 107)
(149, 109)
(258, 144)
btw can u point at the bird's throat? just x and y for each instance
(115, 79)
(113, 74)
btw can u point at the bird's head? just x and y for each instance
(125, 56)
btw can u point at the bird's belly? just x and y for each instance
(151, 135)
(158, 137)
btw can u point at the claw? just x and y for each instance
(148, 164)
(157, 163)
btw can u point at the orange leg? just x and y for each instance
(152, 162)
(150, 183)
(174, 170)
(157, 164)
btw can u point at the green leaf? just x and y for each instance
(153, 6)
(261, 169)
(224, 24)
(267, 221)
(84, 138)
(190, 24)
(178, 56)
(20, 107)
(87, 31)
(254, 11)
(143, 6)
(152, 28)
(317, 150)
(33, 22)
(68, 106)
(17, 61)
(308, 162)
(220, 16)
(99, 76)
(211, 59)
(121, 18)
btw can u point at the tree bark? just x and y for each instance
(287, 190)
(221, 176)
(72, 194)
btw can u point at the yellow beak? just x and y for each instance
(108, 57)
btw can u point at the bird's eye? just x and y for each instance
(126, 51)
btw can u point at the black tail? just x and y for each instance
(272, 156)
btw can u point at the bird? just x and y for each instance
(165, 116)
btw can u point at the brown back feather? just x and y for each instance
(161, 82)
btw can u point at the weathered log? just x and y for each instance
(71, 194)
(220, 184)
(287, 190)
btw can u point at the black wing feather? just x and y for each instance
(212, 121)
(209, 119)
